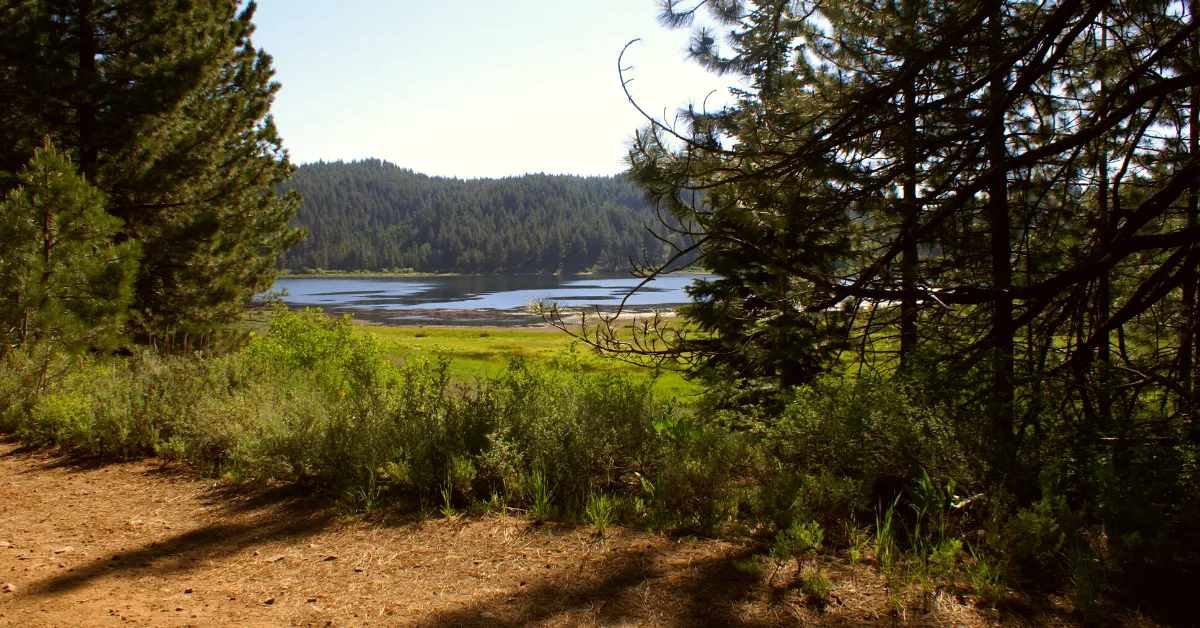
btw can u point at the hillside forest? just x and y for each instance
(372, 215)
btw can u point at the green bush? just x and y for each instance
(1036, 539)
(15, 377)
(696, 485)
(798, 541)
(785, 496)
(58, 418)
(583, 431)
(868, 430)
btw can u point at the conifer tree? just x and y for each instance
(164, 106)
(985, 187)
(64, 284)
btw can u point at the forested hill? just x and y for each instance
(374, 215)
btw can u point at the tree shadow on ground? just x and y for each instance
(628, 588)
(270, 514)
(44, 458)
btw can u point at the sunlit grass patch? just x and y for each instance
(476, 353)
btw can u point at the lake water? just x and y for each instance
(475, 299)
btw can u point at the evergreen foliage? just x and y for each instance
(999, 187)
(64, 284)
(374, 215)
(993, 203)
(164, 107)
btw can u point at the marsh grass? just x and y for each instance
(985, 576)
(479, 354)
(858, 542)
(364, 498)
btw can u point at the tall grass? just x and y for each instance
(315, 400)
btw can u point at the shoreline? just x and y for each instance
(519, 318)
(361, 274)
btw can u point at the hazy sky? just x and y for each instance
(474, 88)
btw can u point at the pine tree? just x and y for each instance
(985, 190)
(64, 284)
(164, 106)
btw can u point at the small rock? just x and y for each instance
(311, 600)
(275, 559)
(5, 544)
(269, 601)
(8, 587)
(358, 570)
(63, 550)
(178, 609)
(187, 590)
(330, 557)
(487, 615)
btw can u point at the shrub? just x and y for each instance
(785, 497)
(1036, 539)
(867, 430)
(817, 586)
(695, 485)
(798, 541)
(316, 401)
(581, 430)
(58, 418)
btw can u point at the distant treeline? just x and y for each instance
(374, 215)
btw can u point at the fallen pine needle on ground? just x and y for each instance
(142, 544)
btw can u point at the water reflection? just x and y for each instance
(475, 299)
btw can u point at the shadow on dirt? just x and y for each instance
(48, 458)
(259, 516)
(629, 587)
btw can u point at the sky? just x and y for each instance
(473, 88)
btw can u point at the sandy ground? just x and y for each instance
(145, 545)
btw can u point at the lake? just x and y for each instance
(476, 299)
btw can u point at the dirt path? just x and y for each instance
(137, 544)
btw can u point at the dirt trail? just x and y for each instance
(140, 544)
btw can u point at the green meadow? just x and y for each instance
(482, 352)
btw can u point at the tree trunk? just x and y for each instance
(1103, 283)
(1189, 357)
(86, 106)
(1000, 235)
(908, 218)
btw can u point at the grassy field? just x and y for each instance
(478, 352)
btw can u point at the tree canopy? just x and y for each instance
(64, 281)
(1000, 197)
(164, 108)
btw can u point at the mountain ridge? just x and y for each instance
(373, 215)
